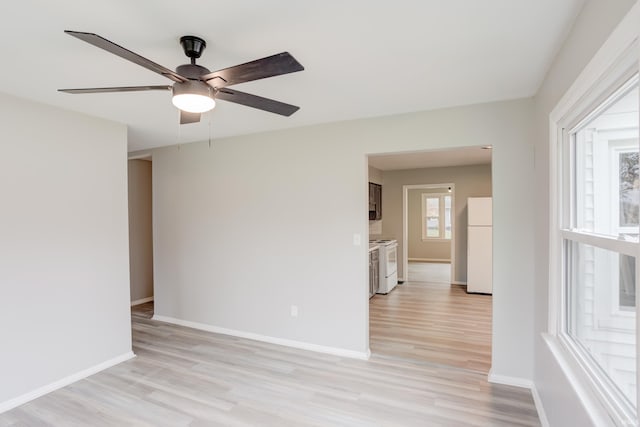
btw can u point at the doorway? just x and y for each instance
(428, 232)
(430, 317)
(140, 234)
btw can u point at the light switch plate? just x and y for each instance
(357, 239)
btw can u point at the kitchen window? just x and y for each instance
(436, 216)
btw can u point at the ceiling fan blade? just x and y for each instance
(256, 102)
(115, 89)
(186, 117)
(275, 65)
(120, 51)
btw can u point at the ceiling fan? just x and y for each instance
(195, 88)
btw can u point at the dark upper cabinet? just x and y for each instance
(375, 201)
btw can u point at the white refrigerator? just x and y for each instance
(479, 245)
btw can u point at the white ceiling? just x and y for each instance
(363, 58)
(431, 159)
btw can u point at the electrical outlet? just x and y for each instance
(294, 311)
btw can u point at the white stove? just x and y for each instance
(388, 264)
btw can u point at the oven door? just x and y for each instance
(392, 259)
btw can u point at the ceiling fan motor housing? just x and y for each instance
(192, 71)
(193, 87)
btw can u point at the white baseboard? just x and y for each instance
(438, 260)
(141, 301)
(265, 338)
(457, 282)
(544, 421)
(512, 381)
(41, 391)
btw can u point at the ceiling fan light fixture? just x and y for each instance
(193, 96)
(193, 103)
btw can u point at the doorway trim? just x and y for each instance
(405, 225)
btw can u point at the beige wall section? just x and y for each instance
(592, 27)
(140, 230)
(469, 181)
(257, 223)
(64, 254)
(426, 250)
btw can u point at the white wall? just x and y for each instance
(64, 267)
(470, 181)
(592, 27)
(257, 223)
(140, 230)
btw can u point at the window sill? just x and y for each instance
(582, 384)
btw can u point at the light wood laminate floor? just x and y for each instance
(432, 322)
(186, 377)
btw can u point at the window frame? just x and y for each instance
(568, 232)
(614, 64)
(441, 217)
